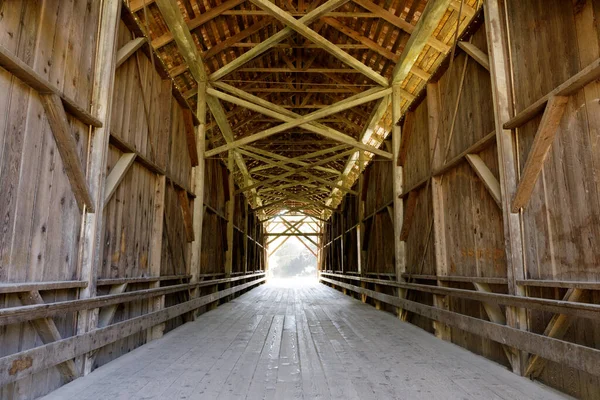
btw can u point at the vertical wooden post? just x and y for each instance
(198, 176)
(360, 212)
(399, 246)
(91, 241)
(246, 237)
(155, 251)
(442, 331)
(230, 212)
(513, 240)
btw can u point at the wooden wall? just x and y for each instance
(454, 226)
(145, 232)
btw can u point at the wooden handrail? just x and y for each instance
(18, 314)
(583, 310)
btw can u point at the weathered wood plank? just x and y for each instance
(67, 147)
(539, 150)
(48, 332)
(128, 49)
(117, 174)
(18, 68)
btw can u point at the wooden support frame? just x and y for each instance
(573, 355)
(48, 333)
(117, 174)
(272, 41)
(475, 53)
(51, 354)
(264, 107)
(91, 242)
(442, 331)
(184, 204)
(487, 177)
(539, 150)
(319, 40)
(556, 328)
(67, 147)
(190, 135)
(513, 238)
(128, 49)
(25, 73)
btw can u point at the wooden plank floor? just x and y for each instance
(308, 341)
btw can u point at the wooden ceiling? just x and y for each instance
(323, 68)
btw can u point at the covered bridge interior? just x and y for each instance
(439, 158)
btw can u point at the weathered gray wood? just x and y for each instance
(300, 341)
(573, 355)
(37, 286)
(128, 49)
(18, 68)
(117, 174)
(583, 310)
(26, 313)
(48, 332)
(19, 365)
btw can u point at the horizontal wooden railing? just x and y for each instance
(19, 365)
(571, 354)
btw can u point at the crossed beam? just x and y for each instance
(292, 119)
(300, 170)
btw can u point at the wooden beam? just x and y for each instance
(67, 147)
(280, 36)
(500, 75)
(487, 177)
(264, 107)
(238, 37)
(192, 24)
(184, 203)
(25, 73)
(18, 287)
(155, 262)
(565, 353)
(557, 328)
(295, 171)
(220, 117)
(182, 36)
(128, 49)
(368, 96)
(409, 213)
(107, 314)
(372, 45)
(117, 174)
(319, 40)
(48, 333)
(430, 19)
(101, 99)
(475, 54)
(230, 215)
(44, 357)
(428, 22)
(400, 23)
(190, 136)
(495, 314)
(292, 234)
(539, 150)
(407, 129)
(569, 87)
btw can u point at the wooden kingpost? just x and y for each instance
(91, 241)
(399, 246)
(507, 160)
